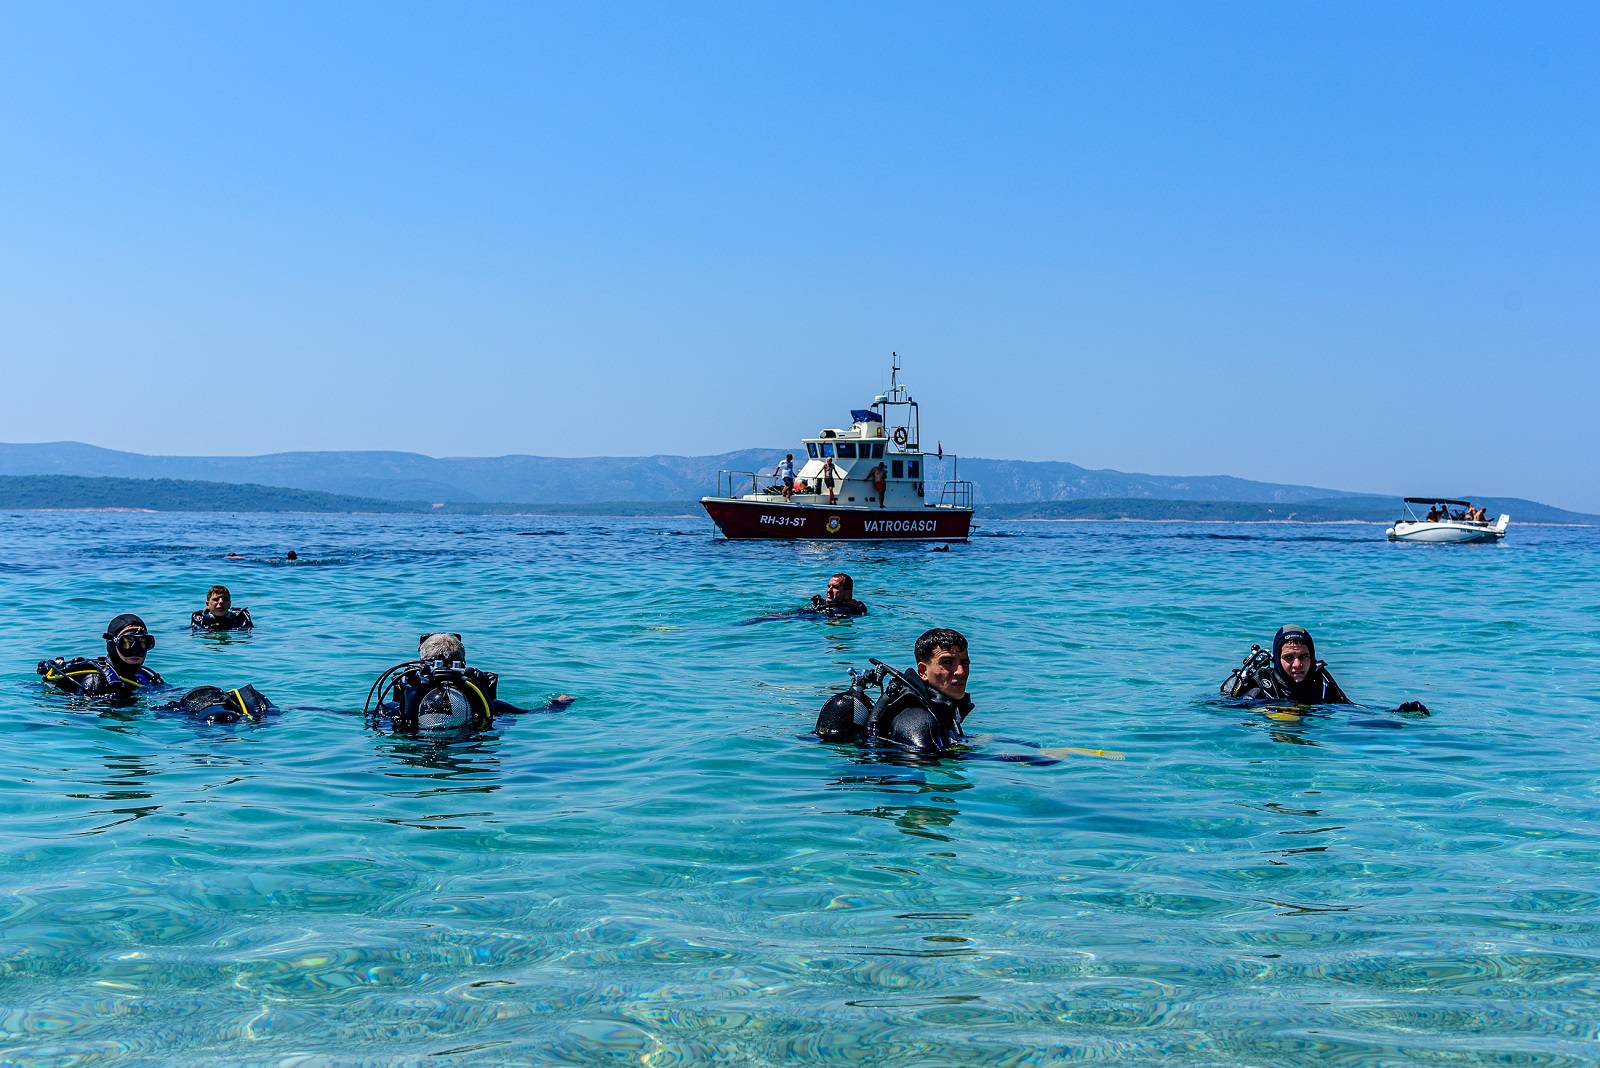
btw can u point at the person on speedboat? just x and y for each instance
(219, 613)
(1292, 674)
(119, 674)
(922, 710)
(438, 692)
(840, 599)
(1434, 515)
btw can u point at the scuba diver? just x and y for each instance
(210, 704)
(840, 600)
(218, 613)
(922, 711)
(119, 673)
(438, 692)
(1292, 673)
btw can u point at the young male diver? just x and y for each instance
(211, 704)
(218, 614)
(120, 673)
(1292, 674)
(439, 693)
(921, 710)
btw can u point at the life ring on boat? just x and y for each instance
(900, 435)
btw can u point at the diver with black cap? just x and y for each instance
(922, 710)
(1293, 674)
(120, 673)
(219, 613)
(212, 704)
(439, 693)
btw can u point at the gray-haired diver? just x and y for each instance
(212, 704)
(1293, 674)
(439, 693)
(120, 673)
(922, 710)
(219, 613)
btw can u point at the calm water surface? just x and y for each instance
(670, 872)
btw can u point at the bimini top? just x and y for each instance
(1436, 500)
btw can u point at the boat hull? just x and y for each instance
(1445, 533)
(748, 520)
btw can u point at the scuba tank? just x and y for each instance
(435, 695)
(849, 715)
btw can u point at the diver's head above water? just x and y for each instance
(445, 645)
(218, 601)
(128, 640)
(841, 587)
(942, 662)
(1294, 652)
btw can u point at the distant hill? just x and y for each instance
(1340, 509)
(404, 476)
(21, 492)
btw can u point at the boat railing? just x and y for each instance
(956, 493)
(741, 483)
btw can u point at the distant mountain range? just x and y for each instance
(503, 483)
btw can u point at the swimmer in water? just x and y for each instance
(438, 692)
(921, 710)
(840, 599)
(119, 674)
(219, 613)
(210, 704)
(1292, 673)
(291, 556)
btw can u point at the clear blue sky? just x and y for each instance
(1351, 245)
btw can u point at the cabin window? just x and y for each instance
(811, 447)
(847, 450)
(898, 469)
(827, 448)
(877, 451)
(913, 468)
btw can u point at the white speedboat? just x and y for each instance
(1444, 527)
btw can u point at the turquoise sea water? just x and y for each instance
(670, 872)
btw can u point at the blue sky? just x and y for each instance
(1350, 245)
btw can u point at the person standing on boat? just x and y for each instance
(784, 473)
(880, 482)
(830, 479)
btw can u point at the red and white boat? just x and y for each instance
(868, 482)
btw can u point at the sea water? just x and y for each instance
(672, 872)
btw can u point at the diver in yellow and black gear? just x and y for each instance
(437, 693)
(120, 673)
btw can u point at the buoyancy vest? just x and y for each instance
(81, 675)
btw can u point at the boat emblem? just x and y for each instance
(833, 524)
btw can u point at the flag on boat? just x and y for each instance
(865, 415)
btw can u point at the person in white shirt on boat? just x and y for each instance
(784, 473)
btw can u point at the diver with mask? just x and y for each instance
(439, 693)
(120, 673)
(1292, 674)
(922, 710)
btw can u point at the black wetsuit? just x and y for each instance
(100, 677)
(838, 609)
(1269, 683)
(916, 716)
(235, 619)
(213, 705)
